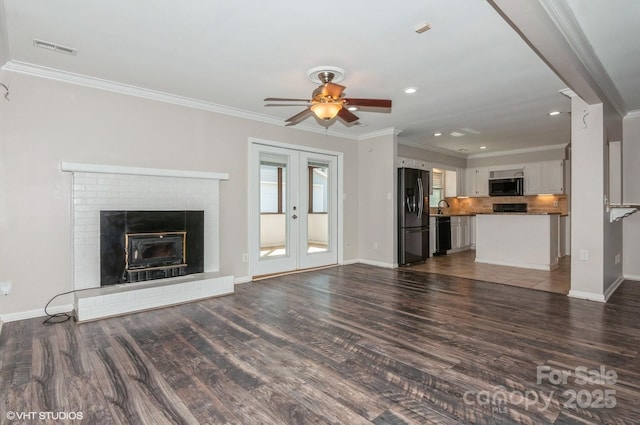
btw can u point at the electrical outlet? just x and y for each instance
(617, 258)
(555, 203)
(245, 258)
(5, 288)
(375, 245)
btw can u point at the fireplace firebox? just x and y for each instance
(144, 245)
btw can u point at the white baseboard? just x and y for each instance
(240, 280)
(635, 277)
(591, 296)
(378, 264)
(348, 262)
(30, 314)
(613, 287)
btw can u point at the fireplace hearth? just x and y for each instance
(137, 246)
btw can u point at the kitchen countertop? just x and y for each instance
(520, 213)
(496, 213)
(453, 215)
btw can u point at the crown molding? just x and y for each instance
(114, 87)
(633, 114)
(518, 151)
(390, 131)
(436, 149)
(564, 19)
(568, 92)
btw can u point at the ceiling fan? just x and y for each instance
(328, 101)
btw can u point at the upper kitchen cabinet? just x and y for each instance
(451, 184)
(412, 163)
(552, 177)
(546, 177)
(531, 178)
(477, 181)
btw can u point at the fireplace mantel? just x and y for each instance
(76, 167)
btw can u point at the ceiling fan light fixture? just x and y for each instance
(326, 110)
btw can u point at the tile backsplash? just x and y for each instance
(535, 204)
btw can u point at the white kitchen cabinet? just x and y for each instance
(418, 164)
(463, 233)
(531, 178)
(432, 236)
(455, 233)
(477, 181)
(450, 184)
(461, 190)
(552, 177)
(546, 177)
(460, 233)
(472, 232)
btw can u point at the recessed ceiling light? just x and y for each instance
(483, 147)
(410, 90)
(437, 134)
(352, 108)
(462, 150)
(554, 113)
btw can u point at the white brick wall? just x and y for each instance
(93, 192)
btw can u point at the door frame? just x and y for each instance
(254, 230)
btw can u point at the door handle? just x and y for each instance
(294, 216)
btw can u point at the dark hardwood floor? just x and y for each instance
(346, 345)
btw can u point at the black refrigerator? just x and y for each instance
(413, 216)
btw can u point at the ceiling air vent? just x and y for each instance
(55, 47)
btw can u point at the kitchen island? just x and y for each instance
(518, 240)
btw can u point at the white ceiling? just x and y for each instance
(474, 74)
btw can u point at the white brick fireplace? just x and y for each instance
(98, 188)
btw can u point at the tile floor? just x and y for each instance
(462, 264)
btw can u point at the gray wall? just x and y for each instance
(430, 156)
(48, 122)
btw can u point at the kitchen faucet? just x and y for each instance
(439, 207)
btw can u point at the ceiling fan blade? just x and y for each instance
(347, 116)
(332, 90)
(298, 117)
(282, 99)
(369, 103)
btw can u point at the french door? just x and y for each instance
(294, 209)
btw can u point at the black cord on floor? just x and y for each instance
(53, 319)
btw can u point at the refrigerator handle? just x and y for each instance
(421, 200)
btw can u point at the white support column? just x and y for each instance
(588, 209)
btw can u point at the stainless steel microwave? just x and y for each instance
(506, 187)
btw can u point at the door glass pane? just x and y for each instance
(318, 198)
(273, 200)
